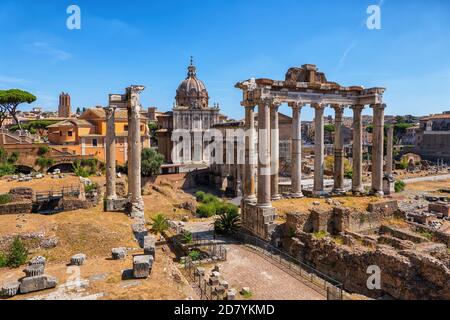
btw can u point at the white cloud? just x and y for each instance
(44, 48)
(13, 80)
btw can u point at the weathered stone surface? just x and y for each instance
(50, 243)
(39, 260)
(387, 207)
(22, 194)
(213, 281)
(10, 289)
(220, 290)
(34, 270)
(118, 253)
(150, 245)
(224, 284)
(402, 234)
(231, 294)
(16, 208)
(142, 266)
(396, 243)
(33, 284)
(78, 259)
(200, 272)
(245, 290)
(440, 207)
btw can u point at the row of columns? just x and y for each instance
(134, 149)
(269, 152)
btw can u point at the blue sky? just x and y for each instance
(150, 42)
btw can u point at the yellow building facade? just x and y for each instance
(86, 135)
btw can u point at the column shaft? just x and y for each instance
(110, 154)
(357, 185)
(390, 150)
(129, 162)
(264, 171)
(136, 149)
(338, 150)
(318, 149)
(250, 155)
(378, 149)
(275, 152)
(296, 149)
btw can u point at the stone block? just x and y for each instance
(142, 266)
(116, 205)
(78, 259)
(200, 272)
(231, 294)
(215, 274)
(34, 270)
(220, 290)
(440, 207)
(39, 260)
(213, 281)
(10, 289)
(224, 284)
(150, 245)
(246, 290)
(39, 283)
(118, 253)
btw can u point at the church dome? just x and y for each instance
(192, 92)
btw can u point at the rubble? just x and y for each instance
(142, 266)
(78, 259)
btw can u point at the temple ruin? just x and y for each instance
(303, 86)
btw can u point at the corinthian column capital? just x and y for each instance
(109, 111)
(378, 106)
(357, 107)
(296, 105)
(318, 106)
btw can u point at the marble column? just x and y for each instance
(357, 183)
(338, 149)
(318, 149)
(137, 203)
(250, 155)
(129, 164)
(264, 172)
(274, 151)
(296, 151)
(390, 150)
(378, 148)
(110, 154)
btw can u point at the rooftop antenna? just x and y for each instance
(192, 60)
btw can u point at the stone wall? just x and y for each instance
(16, 208)
(258, 221)
(21, 194)
(385, 207)
(405, 274)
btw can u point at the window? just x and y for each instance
(94, 142)
(70, 133)
(125, 127)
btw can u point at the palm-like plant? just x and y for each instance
(228, 222)
(160, 224)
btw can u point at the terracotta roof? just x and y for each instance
(99, 113)
(72, 123)
(436, 117)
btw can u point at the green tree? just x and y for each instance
(399, 186)
(11, 99)
(43, 150)
(329, 128)
(44, 163)
(160, 223)
(151, 162)
(228, 222)
(18, 253)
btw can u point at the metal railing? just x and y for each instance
(206, 291)
(72, 191)
(329, 286)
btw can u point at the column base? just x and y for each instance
(276, 197)
(358, 191)
(320, 193)
(250, 199)
(264, 205)
(338, 191)
(297, 195)
(378, 193)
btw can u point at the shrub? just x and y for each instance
(92, 187)
(18, 254)
(160, 223)
(79, 170)
(5, 198)
(43, 150)
(223, 208)
(195, 255)
(12, 159)
(3, 260)
(206, 210)
(44, 162)
(399, 186)
(6, 169)
(210, 198)
(151, 162)
(200, 196)
(187, 237)
(320, 235)
(349, 174)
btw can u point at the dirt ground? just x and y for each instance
(428, 186)
(102, 278)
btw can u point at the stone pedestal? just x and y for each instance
(259, 221)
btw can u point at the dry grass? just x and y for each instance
(303, 205)
(428, 186)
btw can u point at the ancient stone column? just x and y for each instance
(390, 150)
(250, 155)
(137, 203)
(129, 143)
(318, 149)
(274, 151)
(357, 185)
(110, 154)
(296, 150)
(338, 149)
(264, 171)
(378, 148)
